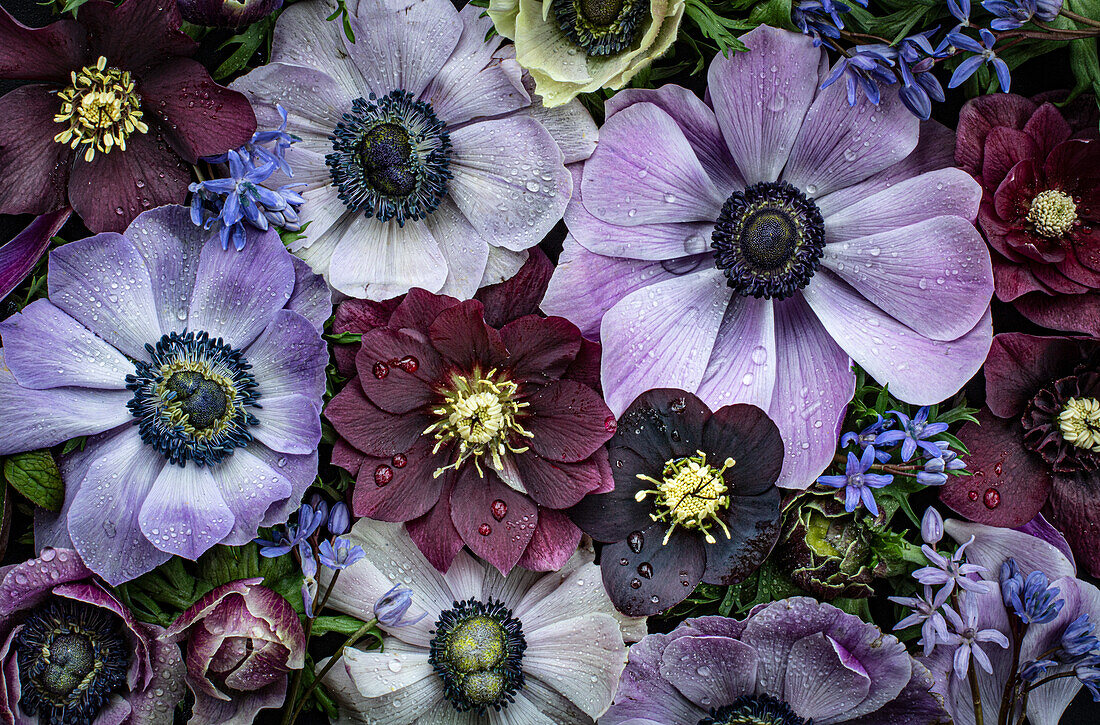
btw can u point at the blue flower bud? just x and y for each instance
(390, 608)
(931, 526)
(339, 519)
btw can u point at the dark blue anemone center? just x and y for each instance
(72, 657)
(755, 710)
(201, 399)
(601, 27)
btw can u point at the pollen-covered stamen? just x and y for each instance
(768, 240)
(101, 109)
(478, 651)
(691, 494)
(754, 710)
(192, 397)
(482, 413)
(1053, 213)
(1079, 423)
(390, 158)
(601, 27)
(72, 657)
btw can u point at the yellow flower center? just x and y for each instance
(100, 108)
(1052, 213)
(481, 413)
(1079, 422)
(691, 494)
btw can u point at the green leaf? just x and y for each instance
(340, 623)
(248, 43)
(345, 338)
(35, 475)
(776, 13)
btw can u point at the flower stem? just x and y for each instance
(296, 680)
(1008, 704)
(1079, 18)
(975, 693)
(355, 637)
(1045, 680)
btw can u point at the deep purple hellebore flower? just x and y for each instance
(747, 250)
(116, 112)
(241, 641)
(227, 13)
(54, 605)
(162, 347)
(789, 662)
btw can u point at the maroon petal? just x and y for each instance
(114, 188)
(519, 295)
(18, 256)
(476, 504)
(748, 436)
(347, 457)
(1004, 148)
(1013, 280)
(1056, 281)
(586, 367)
(1020, 365)
(33, 167)
(643, 576)
(370, 429)
(461, 336)
(540, 347)
(558, 485)
(390, 492)
(362, 316)
(198, 116)
(1009, 483)
(569, 421)
(613, 515)
(40, 54)
(135, 34)
(555, 540)
(1047, 127)
(1070, 313)
(418, 310)
(1075, 505)
(979, 116)
(397, 369)
(753, 522)
(434, 533)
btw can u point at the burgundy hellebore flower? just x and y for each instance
(227, 13)
(242, 640)
(694, 500)
(1039, 441)
(1039, 167)
(475, 422)
(115, 112)
(72, 653)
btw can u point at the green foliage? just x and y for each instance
(345, 19)
(255, 36)
(36, 476)
(1083, 53)
(766, 584)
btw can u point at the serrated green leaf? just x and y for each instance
(36, 476)
(340, 623)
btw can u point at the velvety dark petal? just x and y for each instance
(434, 533)
(978, 117)
(540, 347)
(748, 436)
(1009, 483)
(361, 316)
(474, 511)
(461, 336)
(554, 541)
(370, 429)
(1020, 365)
(569, 421)
(1004, 148)
(115, 187)
(558, 485)
(1071, 313)
(34, 167)
(1048, 127)
(753, 522)
(40, 54)
(347, 457)
(419, 309)
(586, 367)
(612, 516)
(135, 34)
(519, 295)
(1075, 509)
(19, 255)
(397, 369)
(662, 424)
(391, 493)
(198, 117)
(674, 568)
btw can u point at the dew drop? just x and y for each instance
(635, 540)
(409, 364)
(382, 475)
(645, 569)
(399, 460)
(992, 498)
(609, 424)
(635, 583)
(485, 529)
(973, 495)
(381, 370)
(499, 509)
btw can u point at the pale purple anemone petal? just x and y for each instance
(919, 370)
(744, 372)
(466, 252)
(993, 545)
(661, 336)
(935, 275)
(839, 145)
(761, 98)
(183, 512)
(28, 584)
(311, 298)
(311, 116)
(809, 419)
(381, 260)
(644, 694)
(80, 282)
(644, 171)
(820, 684)
(307, 40)
(284, 361)
(240, 477)
(328, 218)
(708, 670)
(1043, 529)
(83, 360)
(166, 239)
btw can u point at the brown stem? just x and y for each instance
(975, 693)
(1080, 18)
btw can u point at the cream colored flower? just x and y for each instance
(578, 46)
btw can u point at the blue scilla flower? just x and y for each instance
(257, 147)
(1011, 14)
(821, 18)
(984, 53)
(865, 69)
(960, 9)
(866, 437)
(1032, 598)
(1088, 673)
(913, 433)
(339, 553)
(391, 607)
(309, 520)
(857, 482)
(919, 87)
(1078, 640)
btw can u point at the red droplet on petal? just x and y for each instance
(997, 469)
(610, 425)
(500, 509)
(973, 495)
(399, 461)
(382, 475)
(485, 529)
(409, 364)
(380, 370)
(992, 498)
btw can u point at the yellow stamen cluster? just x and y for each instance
(481, 413)
(1052, 213)
(101, 109)
(690, 494)
(1079, 422)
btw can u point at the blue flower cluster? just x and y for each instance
(227, 204)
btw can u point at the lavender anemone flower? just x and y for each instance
(426, 162)
(241, 641)
(775, 228)
(523, 649)
(162, 347)
(70, 652)
(793, 661)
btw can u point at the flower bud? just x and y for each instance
(925, 478)
(931, 526)
(390, 608)
(339, 519)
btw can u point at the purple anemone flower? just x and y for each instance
(749, 248)
(70, 652)
(425, 161)
(792, 661)
(195, 372)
